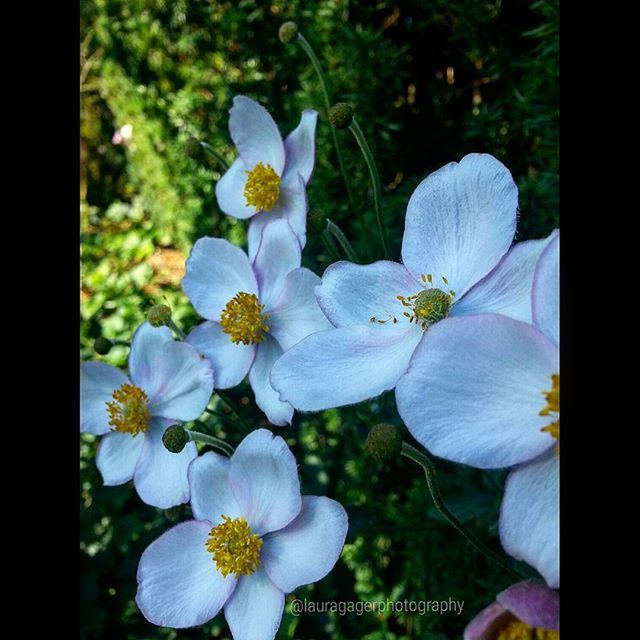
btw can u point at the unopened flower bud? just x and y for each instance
(175, 438)
(159, 315)
(341, 115)
(384, 442)
(287, 32)
(316, 222)
(102, 346)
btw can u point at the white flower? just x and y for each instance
(254, 538)
(268, 180)
(256, 310)
(168, 382)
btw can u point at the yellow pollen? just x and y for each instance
(553, 409)
(262, 188)
(128, 412)
(234, 547)
(243, 320)
(518, 630)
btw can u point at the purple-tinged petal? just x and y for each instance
(147, 341)
(487, 624)
(230, 192)
(98, 381)
(546, 291)
(300, 147)
(178, 583)
(534, 603)
(117, 456)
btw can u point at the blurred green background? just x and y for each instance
(430, 82)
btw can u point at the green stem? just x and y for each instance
(197, 436)
(177, 330)
(306, 47)
(327, 240)
(216, 155)
(220, 414)
(121, 343)
(338, 234)
(232, 405)
(429, 471)
(354, 127)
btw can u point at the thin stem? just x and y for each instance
(429, 471)
(354, 127)
(232, 405)
(176, 329)
(327, 240)
(121, 343)
(197, 436)
(306, 47)
(338, 234)
(216, 155)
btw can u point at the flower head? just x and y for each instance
(268, 180)
(254, 538)
(168, 382)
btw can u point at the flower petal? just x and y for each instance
(352, 294)
(344, 366)
(292, 206)
(300, 147)
(529, 516)
(216, 271)
(487, 623)
(231, 362)
(147, 340)
(178, 583)
(160, 476)
(474, 391)
(460, 221)
(297, 314)
(255, 134)
(546, 291)
(255, 609)
(507, 289)
(98, 381)
(279, 253)
(307, 548)
(534, 603)
(267, 398)
(230, 191)
(117, 456)
(264, 479)
(211, 493)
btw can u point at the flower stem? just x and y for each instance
(176, 329)
(232, 405)
(121, 343)
(329, 245)
(306, 47)
(429, 471)
(197, 436)
(338, 234)
(216, 155)
(354, 127)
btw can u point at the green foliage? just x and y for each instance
(430, 82)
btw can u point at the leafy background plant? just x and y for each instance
(430, 81)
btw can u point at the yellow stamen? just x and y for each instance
(243, 320)
(234, 547)
(128, 412)
(553, 409)
(518, 630)
(262, 188)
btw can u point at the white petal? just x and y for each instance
(255, 134)
(211, 493)
(460, 221)
(546, 291)
(117, 456)
(216, 271)
(300, 147)
(264, 478)
(231, 362)
(529, 516)
(98, 381)
(475, 388)
(297, 314)
(255, 609)
(507, 289)
(230, 192)
(178, 583)
(147, 340)
(344, 366)
(352, 294)
(267, 398)
(160, 476)
(307, 548)
(279, 253)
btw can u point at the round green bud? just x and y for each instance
(192, 148)
(287, 32)
(384, 442)
(102, 346)
(316, 222)
(175, 438)
(341, 115)
(159, 315)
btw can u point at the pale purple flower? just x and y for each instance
(254, 539)
(255, 310)
(168, 382)
(268, 180)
